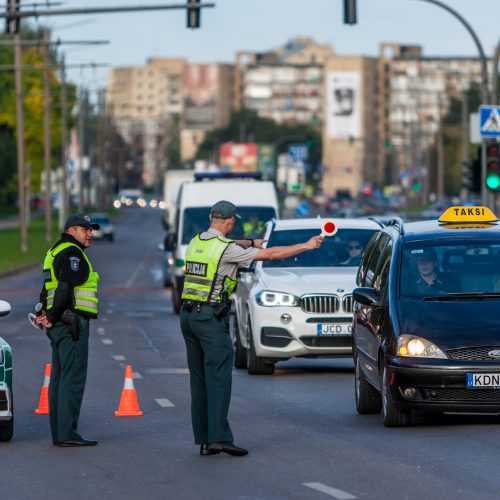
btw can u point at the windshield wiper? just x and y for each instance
(464, 295)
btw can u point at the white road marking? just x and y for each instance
(101, 330)
(165, 403)
(134, 274)
(119, 357)
(107, 341)
(139, 315)
(109, 311)
(136, 375)
(112, 304)
(104, 319)
(333, 492)
(167, 371)
(157, 274)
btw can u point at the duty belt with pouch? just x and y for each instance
(70, 318)
(221, 309)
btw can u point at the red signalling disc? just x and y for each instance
(329, 228)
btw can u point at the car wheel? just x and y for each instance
(368, 399)
(240, 355)
(176, 300)
(111, 238)
(255, 364)
(7, 428)
(393, 417)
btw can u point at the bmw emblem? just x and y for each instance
(340, 290)
(494, 354)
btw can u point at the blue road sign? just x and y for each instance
(489, 121)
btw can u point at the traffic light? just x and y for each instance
(493, 166)
(12, 25)
(193, 15)
(471, 179)
(350, 12)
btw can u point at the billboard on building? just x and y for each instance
(343, 105)
(239, 157)
(200, 84)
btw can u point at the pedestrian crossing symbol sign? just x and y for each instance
(489, 121)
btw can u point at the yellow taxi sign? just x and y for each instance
(461, 215)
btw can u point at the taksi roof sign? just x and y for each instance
(489, 121)
(461, 214)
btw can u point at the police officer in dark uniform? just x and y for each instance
(210, 278)
(69, 300)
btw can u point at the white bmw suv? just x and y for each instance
(300, 306)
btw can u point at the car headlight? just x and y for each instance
(417, 347)
(272, 299)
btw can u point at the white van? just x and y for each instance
(255, 200)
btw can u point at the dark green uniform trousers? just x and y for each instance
(210, 360)
(67, 379)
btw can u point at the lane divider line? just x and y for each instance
(136, 375)
(167, 371)
(118, 357)
(328, 490)
(107, 341)
(165, 403)
(101, 330)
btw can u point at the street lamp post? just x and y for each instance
(485, 95)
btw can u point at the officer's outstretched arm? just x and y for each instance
(276, 253)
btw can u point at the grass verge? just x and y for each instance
(11, 256)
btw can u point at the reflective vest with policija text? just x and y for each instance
(202, 264)
(85, 294)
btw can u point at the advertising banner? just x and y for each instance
(239, 157)
(343, 105)
(200, 83)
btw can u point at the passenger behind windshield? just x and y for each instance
(344, 249)
(429, 280)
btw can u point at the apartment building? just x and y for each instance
(141, 101)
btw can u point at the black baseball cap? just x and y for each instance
(224, 210)
(82, 220)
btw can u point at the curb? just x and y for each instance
(18, 270)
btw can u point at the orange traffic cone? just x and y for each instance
(43, 405)
(129, 406)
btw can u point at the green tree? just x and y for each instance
(33, 110)
(247, 126)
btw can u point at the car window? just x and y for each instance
(251, 224)
(344, 249)
(373, 261)
(382, 272)
(366, 256)
(438, 267)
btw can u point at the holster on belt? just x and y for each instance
(222, 309)
(70, 318)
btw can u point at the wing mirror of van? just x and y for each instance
(4, 308)
(366, 296)
(170, 242)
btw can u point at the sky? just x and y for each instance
(259, 25)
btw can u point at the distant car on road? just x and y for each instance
(6, 397)
(107, 230)
(301, 306)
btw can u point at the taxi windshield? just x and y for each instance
(343, 249)
(251, 224)
(439, 268)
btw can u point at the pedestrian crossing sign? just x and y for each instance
(489, 121)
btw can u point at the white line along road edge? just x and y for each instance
(165, 403)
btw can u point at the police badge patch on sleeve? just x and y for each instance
(74, 263)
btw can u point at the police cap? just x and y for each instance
(224, 210)
(82, 220)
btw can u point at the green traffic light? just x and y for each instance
(493, 181)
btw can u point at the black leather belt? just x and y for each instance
(189, 305)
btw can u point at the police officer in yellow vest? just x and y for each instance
(69, 299)
(210, 277)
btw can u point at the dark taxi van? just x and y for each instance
(426, 326)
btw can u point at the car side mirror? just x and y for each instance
(170, 242)
(4, 308)
(366, 296)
